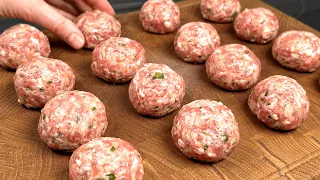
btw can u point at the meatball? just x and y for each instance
(279, 102)
(220, 11)
(97, 26)
(20, 43)
(258, 25)
(118, 59)
(106, 158)
(71, 119)
(40, 79)
(156, 90)
(233, 67)
(160, 16)
(205, 130)
(196, 41)
(298, 50)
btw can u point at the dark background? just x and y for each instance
(307, 11)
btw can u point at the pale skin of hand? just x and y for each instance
(54, 15)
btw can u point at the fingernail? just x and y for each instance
(76, 41)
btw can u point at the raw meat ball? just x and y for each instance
(298, 50)
(160, 16)
(220, 10)
(205, 130)
(106, 158)
(233, 67)
(118, 59)
(196, 41)
(257, 25)
(71, 119)
(40, 79)
(97, 26)
(279, 102)
(20, 43)
(156, 90)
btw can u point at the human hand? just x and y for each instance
(54, 15)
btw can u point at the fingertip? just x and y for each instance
(110, 10)
(102, 5)
(76, 41)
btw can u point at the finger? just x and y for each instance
(50, 19)
(81, 5)
(63, 5)
(102, 5)
(66, 14)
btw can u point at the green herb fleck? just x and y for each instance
(90, 126)
(158, 75)
(41, 89)
(121, 44)
(77, 119)
(234, 142)
(111, 176)
(205, 147)
(93, 108)
(100, 179)
(54, 140)
(49, 82)
(208, 10)
(44, 116)
(25, 99)
(112, 149)
(266, 94)
(234, 14)
(200, 107)
(27, 89)
(199, 57)
(251, 36)
(225, 137)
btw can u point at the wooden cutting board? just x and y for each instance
(261, 154)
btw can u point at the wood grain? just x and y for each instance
(261, 154)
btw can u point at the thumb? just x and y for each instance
(46, 16)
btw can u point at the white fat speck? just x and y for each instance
(40, 82)
(3, 52)
(217, 51)
(78, 162)
(286, 122)
(181, 143)
(167, 24)
(36, 41)
(87, 167)
(55, 134)
(309, 52)
(210, 154)
(166, 15)
(203, 41)
(266, 30)
(203, 110)
(295, 56)
(275, 117)
(247, 57)
(135, 163)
